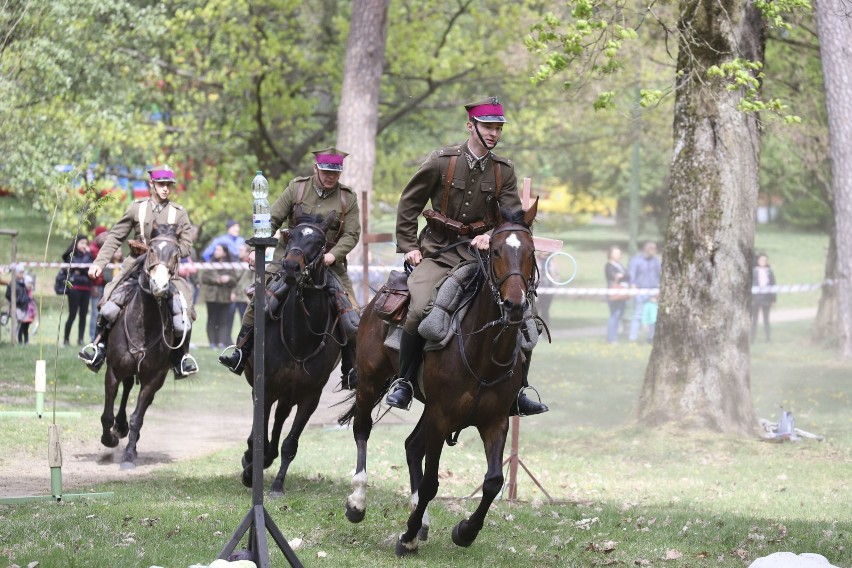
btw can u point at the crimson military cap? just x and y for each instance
(486, 110)
(330, 159)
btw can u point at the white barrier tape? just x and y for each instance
(779, 289)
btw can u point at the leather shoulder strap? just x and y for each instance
(140, 216)
(447, 183)
(300, 194)
(498, 179)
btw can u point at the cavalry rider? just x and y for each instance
(140, 218)
(319, 194)
(461, 181)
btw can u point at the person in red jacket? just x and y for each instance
(81, 287)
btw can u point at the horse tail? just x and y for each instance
(346, 418)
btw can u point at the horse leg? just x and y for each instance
(494, 440)
(282, 411)
(362, 425)
(121, 427)
(248, 456)
(428, 488)
(415, 449)
(108, 438)
(290, 447)
(146, 397)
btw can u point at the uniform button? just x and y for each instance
(466, 203)
(468, 193)
(464, 214)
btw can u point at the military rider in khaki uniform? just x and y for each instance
(139, 219)
(460, 181)
(319, 194)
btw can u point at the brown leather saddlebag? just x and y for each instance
(391, 303)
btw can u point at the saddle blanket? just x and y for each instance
(449, 293)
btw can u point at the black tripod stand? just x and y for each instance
(257, 521)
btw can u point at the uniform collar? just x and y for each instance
(322, 193)
(157, 207)
(476, 163)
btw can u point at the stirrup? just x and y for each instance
(516, 407)
(89, 355)
(401, 383)
(349, 381)
(225, 359)
(187, 366)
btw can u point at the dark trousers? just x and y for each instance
(24, 333)
(78, 304)
(756, 308)
(219, 322)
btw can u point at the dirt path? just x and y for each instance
(86, 462)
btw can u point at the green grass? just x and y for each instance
(716, 501)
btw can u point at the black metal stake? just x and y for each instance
(257, 521)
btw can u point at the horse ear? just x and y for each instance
(297, 211)
(529, 214)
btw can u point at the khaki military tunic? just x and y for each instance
(471, 191)
(313, 204)
(166, 213)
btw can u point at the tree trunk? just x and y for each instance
(357, 117)
(825, 324)
(698, 375)
(834, 29)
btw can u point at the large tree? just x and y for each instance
(358, 113)
(834, 25)
(698, 374)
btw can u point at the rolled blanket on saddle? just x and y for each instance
(449, 302)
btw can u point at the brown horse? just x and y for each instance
(473, 381)
(302, 343)
(141, 342)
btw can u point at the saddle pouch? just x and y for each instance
(391, 304)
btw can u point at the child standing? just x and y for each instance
(649, 316)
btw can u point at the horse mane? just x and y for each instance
(310, 219)
(514, 217)
(163, 230)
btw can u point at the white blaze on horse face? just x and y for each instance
(513, 241)
(307, 231)
(159, 277)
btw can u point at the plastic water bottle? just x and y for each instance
(260, 210)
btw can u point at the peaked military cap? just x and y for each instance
(486, 110)
(330, 159)
(162, 174)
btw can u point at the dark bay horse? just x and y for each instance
(473, 381)
(140, 342)
(303, 343)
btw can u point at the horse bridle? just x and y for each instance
(494, 282)
(171, 265)
(309, 266)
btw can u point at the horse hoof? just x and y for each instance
(121, 432)
(354, 515)
(246, 478)
(403, 550)
(423, 533)
(458, 540)
(276, 494)
(109, 441)
(127, 465)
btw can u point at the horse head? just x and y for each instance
(162, 258)
(512, 262)
(305, 246)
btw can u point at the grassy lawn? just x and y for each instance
(623, 495)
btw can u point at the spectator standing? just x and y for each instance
(21, 297)
(231, 240)
(644, 270)
(217, 285)
(81, 288)
(29, 315)
(245, 278)
(649, 317)
(616, 277)
(762, 301)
